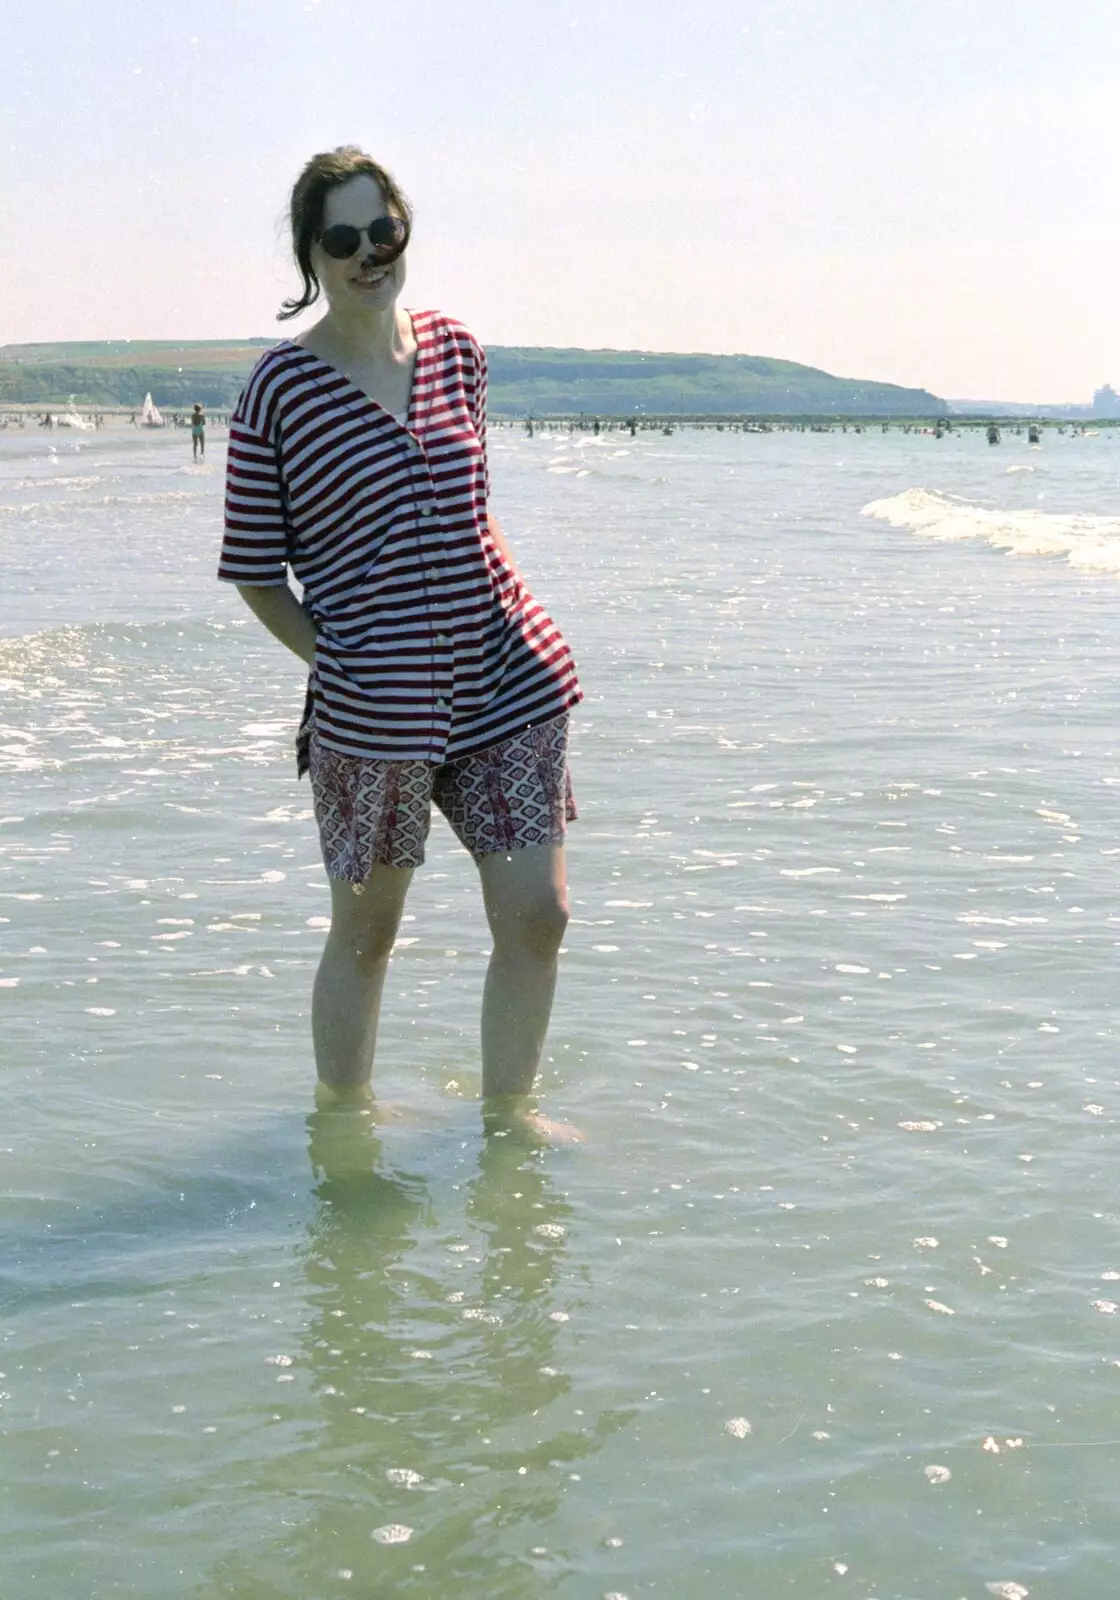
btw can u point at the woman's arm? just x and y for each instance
(503, 548)
(283, 616)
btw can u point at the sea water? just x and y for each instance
(827, 1304)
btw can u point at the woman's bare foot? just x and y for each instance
(511, 1116)
(345, 1096)
(361, 1098)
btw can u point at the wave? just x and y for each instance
(81, 644)
(168, 497)
(22, 485)
(1087, 542)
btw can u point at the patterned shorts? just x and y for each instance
(515, 794)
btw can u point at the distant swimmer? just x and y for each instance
(47, 422)
(993, 433)
(1033, 435)
(198, 433)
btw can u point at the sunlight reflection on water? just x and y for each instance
(835, 1014)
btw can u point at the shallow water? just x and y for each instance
(828, 1301)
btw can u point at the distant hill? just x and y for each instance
(523, 380)
(1017, 408)
(621, 381)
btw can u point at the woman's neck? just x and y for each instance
(370, 336)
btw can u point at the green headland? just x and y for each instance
(524, 381)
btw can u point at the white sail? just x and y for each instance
(149, 414)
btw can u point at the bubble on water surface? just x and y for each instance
(926, 1242)
(737, 1427)
(937, 1305)
(1007, 1591)
(938, 1474)
(404, 1475)
(920, 1127)
(392, 1533)
(550, 1230)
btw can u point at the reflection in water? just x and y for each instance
(431, 1352)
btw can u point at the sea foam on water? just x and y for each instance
(1090, 543)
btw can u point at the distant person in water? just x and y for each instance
(357, 455)
(198, 432)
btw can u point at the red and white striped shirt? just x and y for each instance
(429, 647)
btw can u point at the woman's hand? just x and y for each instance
(284, 617)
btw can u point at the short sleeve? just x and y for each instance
(478, 407)
(255, 542)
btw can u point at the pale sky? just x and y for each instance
(919, 191)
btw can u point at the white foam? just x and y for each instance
(1089, 543)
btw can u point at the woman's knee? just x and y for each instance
(535, 927)
(364, 928)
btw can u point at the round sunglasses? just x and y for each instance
(387, 237)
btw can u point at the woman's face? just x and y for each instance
(361, 281)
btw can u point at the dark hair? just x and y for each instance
(321, 174)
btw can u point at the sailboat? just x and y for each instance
(149, 414)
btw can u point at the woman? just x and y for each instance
(357, 454)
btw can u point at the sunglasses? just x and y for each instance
(387, 237)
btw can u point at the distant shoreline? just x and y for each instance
(25, 417)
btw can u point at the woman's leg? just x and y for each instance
(346, 1000)
(526, 898)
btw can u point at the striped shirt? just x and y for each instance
(429, 647)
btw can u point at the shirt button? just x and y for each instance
(433, 574)
(441, 705)
(425, 511)
(441, 638)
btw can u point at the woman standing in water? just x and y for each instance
(357, 455)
